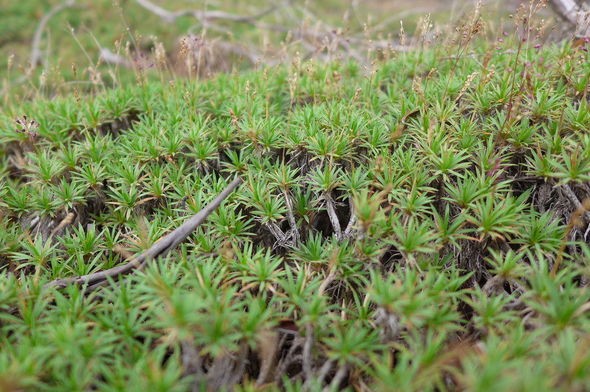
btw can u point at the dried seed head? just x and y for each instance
(160, 54)
(10, 61)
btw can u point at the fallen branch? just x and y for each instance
(159, 249)
(306, 360)
(291, 217)
(35, 57)
(330, 208)
(575, 13)
(66, 221)
(567, 9)
(348, 231)
(338, 378)
(276, 231)
(569, 193)
(110, 57)
(329, 279)
(202, 16)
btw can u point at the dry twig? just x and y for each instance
(569, 193)
(331, 209)
(203, 16)
(576, 13)
(160, 248)
(35, 57)
(110, 57)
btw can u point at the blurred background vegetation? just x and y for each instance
(53, 46)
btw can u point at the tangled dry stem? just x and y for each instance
(159, 249)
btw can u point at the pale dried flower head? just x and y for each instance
(160, 54)
(10, 61)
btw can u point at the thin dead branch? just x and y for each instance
(192, 362)
(204, 16)
(329, 279)
(324, 370)
(159, 249)
(66, 221)
(35, 57)
(268, 348)
(291, 217)
(306, 360)
(333, 217)
(575, 13)
(338, 378)
(350, 227)
(287, 360)
(277, 233)
(110, 57)
(569, 193)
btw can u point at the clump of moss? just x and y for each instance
(421, 226)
